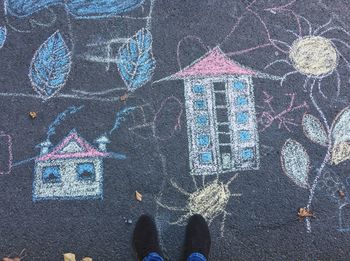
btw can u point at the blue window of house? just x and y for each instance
(200, 104)
(51, 174)
(247, 154)
(239, 85)
(198, 89)
(86, 171)
(241, 100)
(202, 120)
(203, 140)
(205, 157)
(244, 135)
(242, 117)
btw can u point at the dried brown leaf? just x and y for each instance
(304, 213)
(138, 196)
(33, 115)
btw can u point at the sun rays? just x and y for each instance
(316, 55)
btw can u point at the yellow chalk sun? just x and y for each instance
(314, 56)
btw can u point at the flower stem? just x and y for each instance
(325, 160)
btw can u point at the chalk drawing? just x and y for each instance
(314, 130)
(296, 163)
(210, 201)
(6, 156)
(120, 117)
(73, 169)
(105, 46)
(3, 34)
(135, 60)
(340, 135)
(50, 66)
(315, 55)
(220, 111)
(80, 9)
(270, 115)
(337, 190)
(60, 118)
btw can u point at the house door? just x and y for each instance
(221, 112)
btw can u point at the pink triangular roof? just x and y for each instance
(214, 63)
(88, 151)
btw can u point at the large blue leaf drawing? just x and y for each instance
(101, 8)
(3, 33)
(50, 66)
(23, 8)
(79, 8)
(135, 60)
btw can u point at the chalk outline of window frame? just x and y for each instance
(80, 179)
(59, 180)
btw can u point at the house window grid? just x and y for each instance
(194, 130)
(249, 125)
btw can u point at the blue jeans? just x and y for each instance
(155, 257)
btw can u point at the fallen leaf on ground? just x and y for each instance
(33, 114)
(138, 196)
(87, 259)
(341, 194)
(303, 213)
(69, 257)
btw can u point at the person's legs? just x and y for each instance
(145, 240)
(197, 239)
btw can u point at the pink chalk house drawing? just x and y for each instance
(71, 170)
(220, 111)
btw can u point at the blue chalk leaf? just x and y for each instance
(296, 163)
(23, 8)
(3, 33)
(120, 117)
(90, 9)
(135, 60)
(50, 66)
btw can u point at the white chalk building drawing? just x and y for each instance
(220, 111)
(71, 170)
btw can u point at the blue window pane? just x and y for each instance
(203, 140)
(242, 117)
(200, 104)
(51, 174)
(202, 120)
(247, 154)
(199, 89)
(86, 171)
(239, 85)
(205, 157)
(241, 100)
(244, 135)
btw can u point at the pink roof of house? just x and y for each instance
(87, 151)
(214, 63)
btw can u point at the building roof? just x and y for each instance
(215, 64)
(73, 146)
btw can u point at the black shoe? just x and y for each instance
(145, 239)
(197, 237)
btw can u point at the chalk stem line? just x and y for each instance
(67, 96)
(325, 160)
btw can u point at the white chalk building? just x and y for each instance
(71, 170)
(220, 111)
